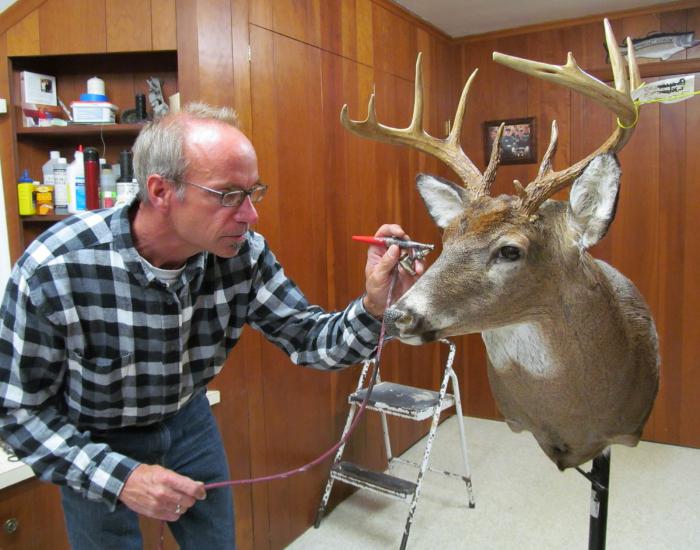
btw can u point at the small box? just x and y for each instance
(94, 112)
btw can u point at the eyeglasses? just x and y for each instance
(237, 197)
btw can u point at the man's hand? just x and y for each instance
(378, 272)
(159, 493)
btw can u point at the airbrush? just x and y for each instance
(415, 250)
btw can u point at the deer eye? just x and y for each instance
(509, 253)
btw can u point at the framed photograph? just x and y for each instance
(518, 142)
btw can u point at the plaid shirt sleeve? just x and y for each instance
(308, 334)
(32, 351)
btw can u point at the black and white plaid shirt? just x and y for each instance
(90, 339)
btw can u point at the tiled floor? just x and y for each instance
(523, 502)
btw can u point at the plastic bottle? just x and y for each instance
(92, 178)
(108, 187)
(76, 182)
(47, 168)
(25, 194)
(60, 186)
(127, 188)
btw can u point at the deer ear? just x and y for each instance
(593, 200)
(444, 199)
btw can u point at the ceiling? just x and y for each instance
(459, 18)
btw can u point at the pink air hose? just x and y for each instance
(334, 448)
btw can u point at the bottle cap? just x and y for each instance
(24, 178)
(91, 154)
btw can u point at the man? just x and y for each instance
(114, 321)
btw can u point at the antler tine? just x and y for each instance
(494, 159)
(546, 164)
(633, 68)
(617, 99)
(448, 150)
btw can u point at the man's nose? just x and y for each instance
(246, 212)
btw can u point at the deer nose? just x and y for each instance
(398, 321)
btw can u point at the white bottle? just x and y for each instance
(60, 186)
(76, 183)
(108, 187)
(47, 169)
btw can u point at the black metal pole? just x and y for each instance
(600, 488)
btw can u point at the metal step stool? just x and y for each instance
(408, 402)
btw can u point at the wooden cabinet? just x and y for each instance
(31, 517)
(124, 74)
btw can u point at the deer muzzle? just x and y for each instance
(408, 326)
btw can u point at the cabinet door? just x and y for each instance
(80, 29)
(128, 25)
(15, 517)
(31, 517)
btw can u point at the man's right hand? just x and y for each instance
(160, 493)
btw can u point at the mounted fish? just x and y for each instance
(660, 45)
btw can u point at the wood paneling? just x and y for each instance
(80, 29)
(205, 51)
(394, 43)
(23, 38)
(7, 148)
(128, 25)
(163, 25)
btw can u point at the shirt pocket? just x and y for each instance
(98, 375)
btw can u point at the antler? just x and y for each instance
(447, 150)
(618, 99)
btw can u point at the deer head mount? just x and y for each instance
(572, 346)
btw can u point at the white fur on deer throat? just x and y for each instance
(522, 344)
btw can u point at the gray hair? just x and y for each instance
(159, 146)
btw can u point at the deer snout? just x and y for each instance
(407, 325)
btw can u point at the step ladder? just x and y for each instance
(411, 403)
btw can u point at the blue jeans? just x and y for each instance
(188, 443)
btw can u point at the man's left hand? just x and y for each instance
(381, 262)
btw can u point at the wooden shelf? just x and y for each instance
(81, 130)
(51, 218)
(653, 69)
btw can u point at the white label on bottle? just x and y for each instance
(60, 191)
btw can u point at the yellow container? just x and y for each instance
(25, 198)
(44, 200)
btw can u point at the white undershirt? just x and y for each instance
(165, 276)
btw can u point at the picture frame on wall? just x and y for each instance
(518, 142)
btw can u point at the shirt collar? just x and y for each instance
(124, 244)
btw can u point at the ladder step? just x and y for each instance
(393, 486)
(403, 401)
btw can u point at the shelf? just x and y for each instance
(653, 69)
(81, 130)
(48, 219)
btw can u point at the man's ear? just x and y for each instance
(444, 199)
(160, 191)
(593, 200)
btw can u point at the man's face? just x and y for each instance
(220, 158)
